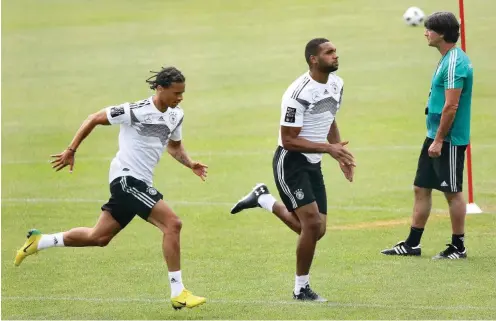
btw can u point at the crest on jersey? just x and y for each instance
(334, 88)
(152, 191)
(299, 194)
(316, 95)
(148, 119)
(173, 118)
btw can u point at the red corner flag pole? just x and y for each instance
(472, 208)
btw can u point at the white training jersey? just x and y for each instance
(143, 137)
(312, 106)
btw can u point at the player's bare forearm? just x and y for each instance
(333, 137)
(447, 118)
(291, 142)
(303, 145)
(176, 150)
(98, 118)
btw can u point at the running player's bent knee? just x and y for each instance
(174, 225)
(313, 226)
(100, 240)
(103, 241)
(322, 232)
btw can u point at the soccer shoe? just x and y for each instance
(451, 253)
(187, 299)
(307, 294)
(403, 249)
(250, 200)
(29, 247)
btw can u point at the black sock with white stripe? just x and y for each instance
(457, 240)
(413, 239)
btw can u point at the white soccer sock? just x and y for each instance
(176, 283)
(301, 282)
(51, 240)
(267, 201)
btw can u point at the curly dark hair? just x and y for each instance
(165, 77)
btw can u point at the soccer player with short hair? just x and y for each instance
(441, 160)
(147, 128)
(308, 130)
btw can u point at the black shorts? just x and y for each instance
(130, 196)
(444, 173)
(298, 181)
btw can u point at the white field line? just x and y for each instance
(354, 305)
(208, 203)
(239, 153)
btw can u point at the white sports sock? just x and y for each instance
(51, 240)
(267, 201)
(301, 282)
(176, 283)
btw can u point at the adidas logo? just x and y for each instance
(443, 184)
(161, 118)
(173, 280)
(326, 92)
(55, 241)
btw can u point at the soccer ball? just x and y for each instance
(413, 16)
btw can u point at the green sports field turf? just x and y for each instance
(62, 60)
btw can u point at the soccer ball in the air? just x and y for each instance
(413, 16)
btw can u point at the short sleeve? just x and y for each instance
(177, 133)
(292, 113)
(120, 114)
(456, 72)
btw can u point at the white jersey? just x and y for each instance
(143, 137)
(312, 106)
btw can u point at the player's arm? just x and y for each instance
(448, 113)
(67, 157)
(333, 137)
(291, 142)
(176, 150)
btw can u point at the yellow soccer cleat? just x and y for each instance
(187, 299)
(29, 247)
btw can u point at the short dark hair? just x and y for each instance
(165, 77)
(444, 23)
(312, 48)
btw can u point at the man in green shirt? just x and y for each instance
(441, 160)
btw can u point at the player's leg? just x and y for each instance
(163, 217)
(452, 162)
(260, 197)
(425, 180)
(311, 229)
(99, 235)
(116, 214)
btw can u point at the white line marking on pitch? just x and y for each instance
(253, 302)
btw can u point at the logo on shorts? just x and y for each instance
(299, 194)
(152, 191)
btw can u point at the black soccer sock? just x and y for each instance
(414, 237)
(458, 241)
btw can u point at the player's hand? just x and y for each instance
(67, 157)
(339, 152)
(348, 171)
(435, 149)
(199, 169)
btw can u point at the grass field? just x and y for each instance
(65, 59)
